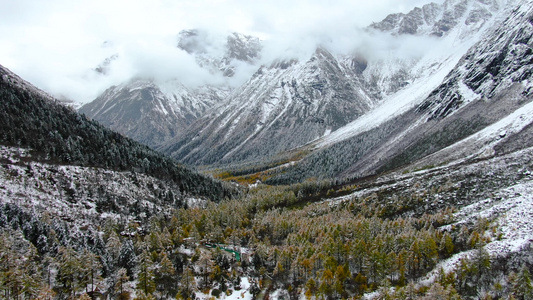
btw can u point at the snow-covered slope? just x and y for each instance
(82, 196)
(485, 81)
(445, 72)
(152, 112)
(283, 106)
(404, 81)
(376, 87)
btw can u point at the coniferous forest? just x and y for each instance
(87, 213)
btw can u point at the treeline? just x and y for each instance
(59, 134)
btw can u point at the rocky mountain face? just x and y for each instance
(237, 48)
(354, 85)
(470, 69)
(284, 105)
(432, 27)
(439, 20)
(152, 112)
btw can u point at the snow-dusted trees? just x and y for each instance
(19, 267)
(165, 276)
(146, 279)
(58, 133)
(522, 288)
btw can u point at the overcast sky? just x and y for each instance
(55, 44)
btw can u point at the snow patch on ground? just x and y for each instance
(242, 294)
(511, 210)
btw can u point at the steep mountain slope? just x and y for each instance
(152, 112)
(490, 82)
(425, 39)
(283, 106)
(57, 134)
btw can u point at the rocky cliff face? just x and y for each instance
(439, 20)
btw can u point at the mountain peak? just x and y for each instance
(438, 19)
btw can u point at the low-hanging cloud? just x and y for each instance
(57, 44)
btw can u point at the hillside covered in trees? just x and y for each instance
(431, 234)
(57, 134)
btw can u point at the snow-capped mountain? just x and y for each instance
(152, 111)
(403, 82)
(433, 84)
(424, 40)
(439, 20)
(285, 105)
(237, 48)
(262, 119)
(475, 107)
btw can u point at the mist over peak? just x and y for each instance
(58, 46)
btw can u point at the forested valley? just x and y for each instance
(87, 213)
(393, 243)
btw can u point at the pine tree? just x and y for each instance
(145, 280)
(113, 245)
(164, 275)
(326, 285)
(438, 292)
(120, 286)
(522, 287)
(127, 258)
(187, 284)
(206, 268)
(69, 268)
(90, 270)
(310, 288)
(446, 246)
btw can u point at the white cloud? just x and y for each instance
(56, 43)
